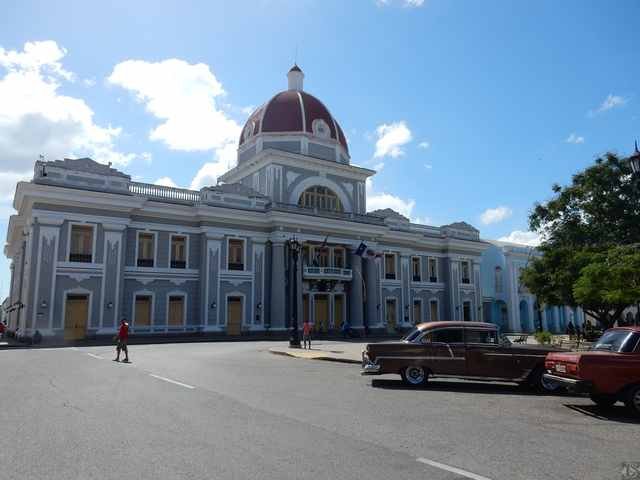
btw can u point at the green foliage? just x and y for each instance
(582, 226)
(543, 338)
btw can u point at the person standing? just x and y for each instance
(306, 334)
(122, 338)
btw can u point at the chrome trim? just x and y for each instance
(390, 357)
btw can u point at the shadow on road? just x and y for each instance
(616, 413)
(463, 387)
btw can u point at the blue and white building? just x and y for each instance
(89, 246)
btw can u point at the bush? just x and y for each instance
(543, 338)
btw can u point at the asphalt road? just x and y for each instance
(233, 410)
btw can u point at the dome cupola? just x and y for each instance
(294, 121)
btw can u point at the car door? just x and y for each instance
(486, 358)
(448, 352)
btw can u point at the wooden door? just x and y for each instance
(337, 311)
(391, 314)
(176, 311)
(234, 315)
(417, 312)
(322, 312)
(76, 317)
(143, 312)
(434, 311)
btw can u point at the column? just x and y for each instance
(355, 300)
(45, 281)
(278, 294)
(478, 314)
(112, 276)
(405, 297)
(373, 292)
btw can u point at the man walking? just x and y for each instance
(123, 338)
(306, 334)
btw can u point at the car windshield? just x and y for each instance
(412, 334)
(613, 340)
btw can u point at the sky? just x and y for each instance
(469, 111)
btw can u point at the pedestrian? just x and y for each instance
(2, 329)
(306, 334)
(122, 338)
(345, 330)
(571, 329)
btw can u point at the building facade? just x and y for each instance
(89, 246)
(508, 303)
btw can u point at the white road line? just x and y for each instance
(455, 470)
(95, 356)
(172, 381)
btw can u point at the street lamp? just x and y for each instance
(294, 248)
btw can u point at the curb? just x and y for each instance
(322, 358)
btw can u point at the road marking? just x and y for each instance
(95, 356)
(455, 470)
(172, 381)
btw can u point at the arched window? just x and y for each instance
(320, 197)
(499, 282)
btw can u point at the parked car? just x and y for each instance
(608, 372)
(467, 350)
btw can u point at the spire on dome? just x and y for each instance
(295, 77)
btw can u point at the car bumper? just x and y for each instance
(571, 384)
(369, 367)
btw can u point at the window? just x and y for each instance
(389, 266)
(236, 254)
(321, 198)
(498, 280)
(415, 268)
(146, 249)
(81, 248)
(433, 269)
(465, 274)
(322, 256)
(482, 336)
(306, 255)
(338, 258)
(417, 311)
(143, 311)
(178, 251)
(433, 308)
(320, 128)
(466, 311)
(448, 335)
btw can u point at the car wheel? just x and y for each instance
(541, 384)
(603, 401)
(414, 376)
(632, 400)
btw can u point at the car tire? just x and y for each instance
(603, 401)
(541, 385)
(414, 376)
(632, 400)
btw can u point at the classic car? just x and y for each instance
(467, 350)
(608, 372)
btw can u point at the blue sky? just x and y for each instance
(470, 110)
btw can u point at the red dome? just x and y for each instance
(292, 111)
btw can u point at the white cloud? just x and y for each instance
(166, 182)
(225, 159)
(89, 82)
(422, 220)
(525, 238)
(183, 97)
(424, 145)
(428, 166)
(495, 215)
(404, 3)
(36, 119)
(376, 201)
(612, 101)
(391, 138)
(573, 138)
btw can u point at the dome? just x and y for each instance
(294, 111)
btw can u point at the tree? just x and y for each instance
(599, 211)
(609, 283)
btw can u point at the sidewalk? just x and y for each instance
(343, 352)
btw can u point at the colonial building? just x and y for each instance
(508, 303)
(90, 246)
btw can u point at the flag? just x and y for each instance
(361, 249)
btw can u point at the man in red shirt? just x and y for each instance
(306, 334)
(123, 337)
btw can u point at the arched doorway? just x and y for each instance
(500, 315)
(525, 321)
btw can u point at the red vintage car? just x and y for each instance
(609, 371)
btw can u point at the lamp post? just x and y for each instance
(294, 247)
(634, 162)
